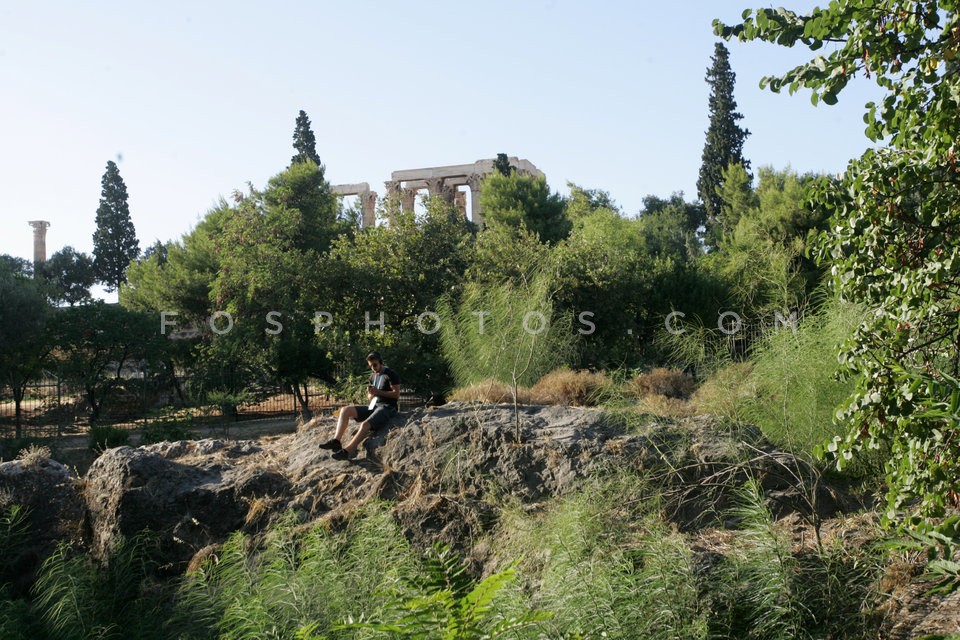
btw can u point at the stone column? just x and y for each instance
(476, 215)
(39, 240)
(438, 188)
(407, 199)
(460, 202)
(368, 204)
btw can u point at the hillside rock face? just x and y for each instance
(437, 465)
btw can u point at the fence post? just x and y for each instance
(59, 413)
(143, 393)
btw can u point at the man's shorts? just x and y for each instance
(379, 417)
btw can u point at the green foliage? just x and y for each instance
(514, 200)
(24, 335)
(304, 142)
(76, 599)
(14, 538)
(725, 137)
(103, 437)
(504, 332)
(940, 541)
(398, 270)
(764, 599)
(69, 274)
(764, 255)
(795, 375)
(892, 245)
(167, 431)
(115, 242)
(227, 401)
(95, 342)
(450, 605)
(762, 590)
(297, 581)
(603, 565)
(502, 165)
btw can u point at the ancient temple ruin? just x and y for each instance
(443, 182)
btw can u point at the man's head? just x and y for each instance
(375, 361)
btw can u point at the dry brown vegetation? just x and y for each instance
(574, 388)
(489, 391)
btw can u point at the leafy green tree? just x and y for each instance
(725, 137)
(97, 342)
(69, 274)
(115, 242)
(304, 142)
(893, 244)
(764, 255)
(670, 226)
(24, 343)
(517, 199)
(399, 270)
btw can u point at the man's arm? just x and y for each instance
(393, 393)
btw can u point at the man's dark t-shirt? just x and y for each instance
(383, 381)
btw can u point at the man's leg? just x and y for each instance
(377, 420)
(343, 420)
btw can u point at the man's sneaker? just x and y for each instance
(344, 454)
(333, 444)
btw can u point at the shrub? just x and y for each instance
(106, 437)
(670, 383)
(727, 392)
(167, 431)
(489, 391)
(575, 388)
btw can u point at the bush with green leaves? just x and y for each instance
(103, 437)
(892, 244)
(295, 579)
(168, 431)
(449, 604)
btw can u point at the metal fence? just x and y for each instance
(53, 406)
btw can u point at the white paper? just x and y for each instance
(376, 385)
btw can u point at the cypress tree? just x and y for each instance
(304, 141)
(502, 165)
(115, 242)
(725, 138)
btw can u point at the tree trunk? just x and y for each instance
(303, 401)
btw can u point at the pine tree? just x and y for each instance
(115, 242)
(304, 141)
(725, 138)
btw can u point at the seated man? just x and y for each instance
(383, 391)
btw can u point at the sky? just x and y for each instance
(194, 100)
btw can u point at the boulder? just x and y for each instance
(49, 494)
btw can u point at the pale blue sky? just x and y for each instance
(195, 99)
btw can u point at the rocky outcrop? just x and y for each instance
(439, 466)
(49, 495)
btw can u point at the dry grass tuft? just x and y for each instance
(574, 388)
(489, 391)
(667, 383)
(34, 455)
